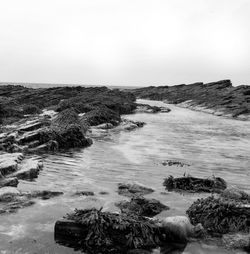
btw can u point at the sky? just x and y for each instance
(125, 42)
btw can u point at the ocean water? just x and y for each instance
(211, 145)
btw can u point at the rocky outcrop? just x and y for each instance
(218, 98)
(194, 184)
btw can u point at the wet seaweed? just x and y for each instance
(220, 216)
(114, 233)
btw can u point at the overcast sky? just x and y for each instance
(125, 42)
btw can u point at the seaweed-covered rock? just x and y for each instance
(131, 190)
(99, 116)
(221, 215)
(67, 130)
(142, 206)
(95, 231)
(194, 184)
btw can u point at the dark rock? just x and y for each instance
(12, 182)
(221, 215)
(117, 233)
(99, 116)
(45, 194)
(142, 206)
(103, 193)
(174, 163)
(131, 190)
(84, 193)
(194, 184)
(129, 125)
(219, 98)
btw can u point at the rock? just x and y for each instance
(219, 215)
(179, 229)
(45, 194)
(15, 200)
(236, 194)
(29, 136)
(7, 193)
(100, 116)
(13, 182)
(116, 233)
(237, 241)
(105, 126)
(9, 162)
(29, 169)
(219, 98)
(131, 190)
(129, 125)
(142, 206)
(37, 124)
(194, 184)
(103, 193)
(174, 163)
(84, 193)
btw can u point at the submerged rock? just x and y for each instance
(142, 206)
(194, 184)
(84, 193)
(13, 182)
(129, 125)
(174, 163)
(131, 190)
(11, 199)
(9, 162)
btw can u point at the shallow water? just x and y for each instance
(211, 145)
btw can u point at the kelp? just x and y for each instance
(194, 184)
(220, 215)
(114, 233)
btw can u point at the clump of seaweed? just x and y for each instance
(114, 233)
(194, 184)
(220, 215)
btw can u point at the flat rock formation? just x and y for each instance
(218, 98)
(131, 190)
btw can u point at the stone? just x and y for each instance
(29, 169)
(7, 193)
(237, 241)
(141, 206)
(179, 229)
(84, 193)
(131, 190)
(174, 163)
(9, 162)
(13, 182)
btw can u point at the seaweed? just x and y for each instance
(220, 215)
(194, 184)
(114, 233)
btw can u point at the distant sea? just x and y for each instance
(49, 85)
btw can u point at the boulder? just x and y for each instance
(194, 184)
(84, 193)
(131, 190)
(179, 229)
(142, 206)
